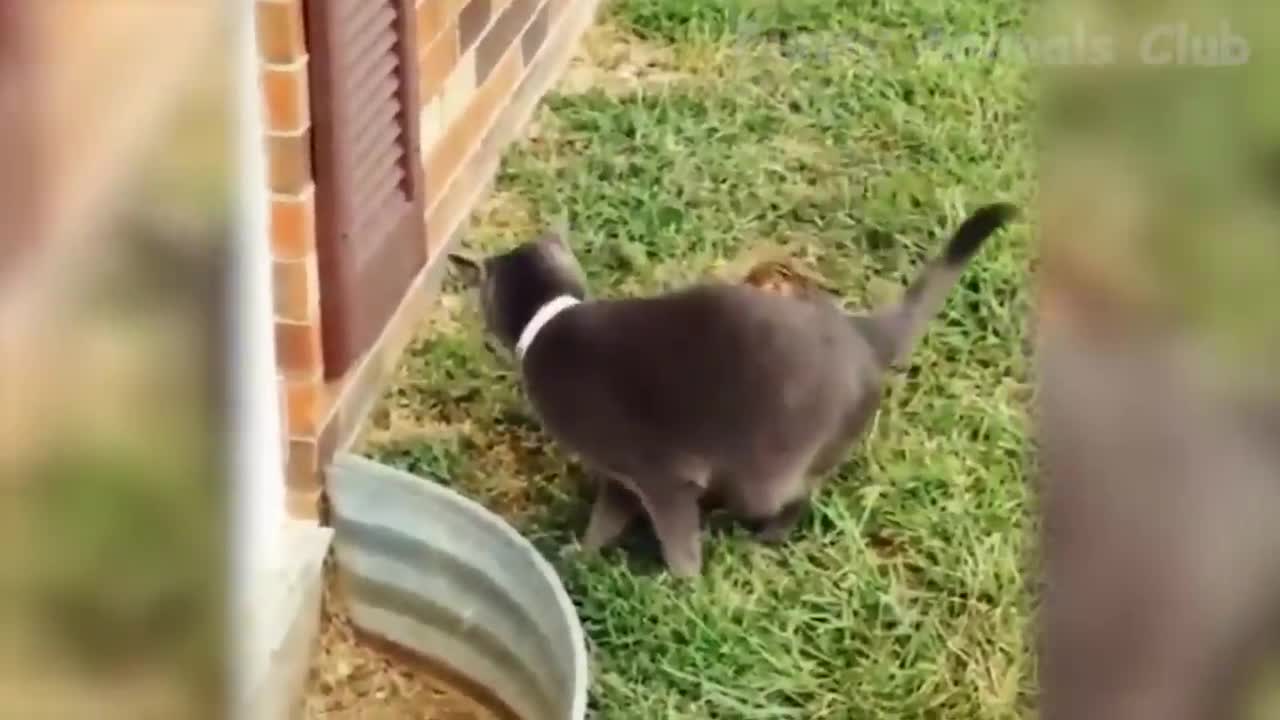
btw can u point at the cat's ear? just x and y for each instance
(467, 267)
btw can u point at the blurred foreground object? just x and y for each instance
(1158, 351)
(115, 192)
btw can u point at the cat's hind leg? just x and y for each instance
(614, 509)
(674, 510)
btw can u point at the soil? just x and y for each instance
(355, 677)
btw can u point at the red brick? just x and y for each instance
(298, 350)
(289, 161)
(433, 16)
(492, 94)
(450, 208)
(308, 457)
(501, 36)
(305, 403)
(459, 88)
(293, 224)
(295, 289)
(285, 97)
(430, 128)
(438, 60)
(465, 135)
(280, 32)
(446, 157)
(457, 139)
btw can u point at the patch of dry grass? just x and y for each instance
(612, 62)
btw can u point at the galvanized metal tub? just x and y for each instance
(437, 574)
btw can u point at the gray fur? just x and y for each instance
(716, 394)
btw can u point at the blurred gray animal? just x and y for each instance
(717, 394)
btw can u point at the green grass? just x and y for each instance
(692, 143)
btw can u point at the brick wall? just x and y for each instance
(282, 52)
(483, 66)
(479, 58)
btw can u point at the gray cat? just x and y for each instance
(715, 395)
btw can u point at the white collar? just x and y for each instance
(539, 320)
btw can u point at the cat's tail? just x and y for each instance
(895, 331)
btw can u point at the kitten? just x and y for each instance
(721, 394)
(783, 278)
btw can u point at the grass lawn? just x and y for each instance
(690, 136)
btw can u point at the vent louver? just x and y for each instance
(367, 168)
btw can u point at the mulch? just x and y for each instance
(355, 677)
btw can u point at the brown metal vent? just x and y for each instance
(368, 170)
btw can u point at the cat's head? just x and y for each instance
(514, 284)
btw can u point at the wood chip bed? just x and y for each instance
(356, 678)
